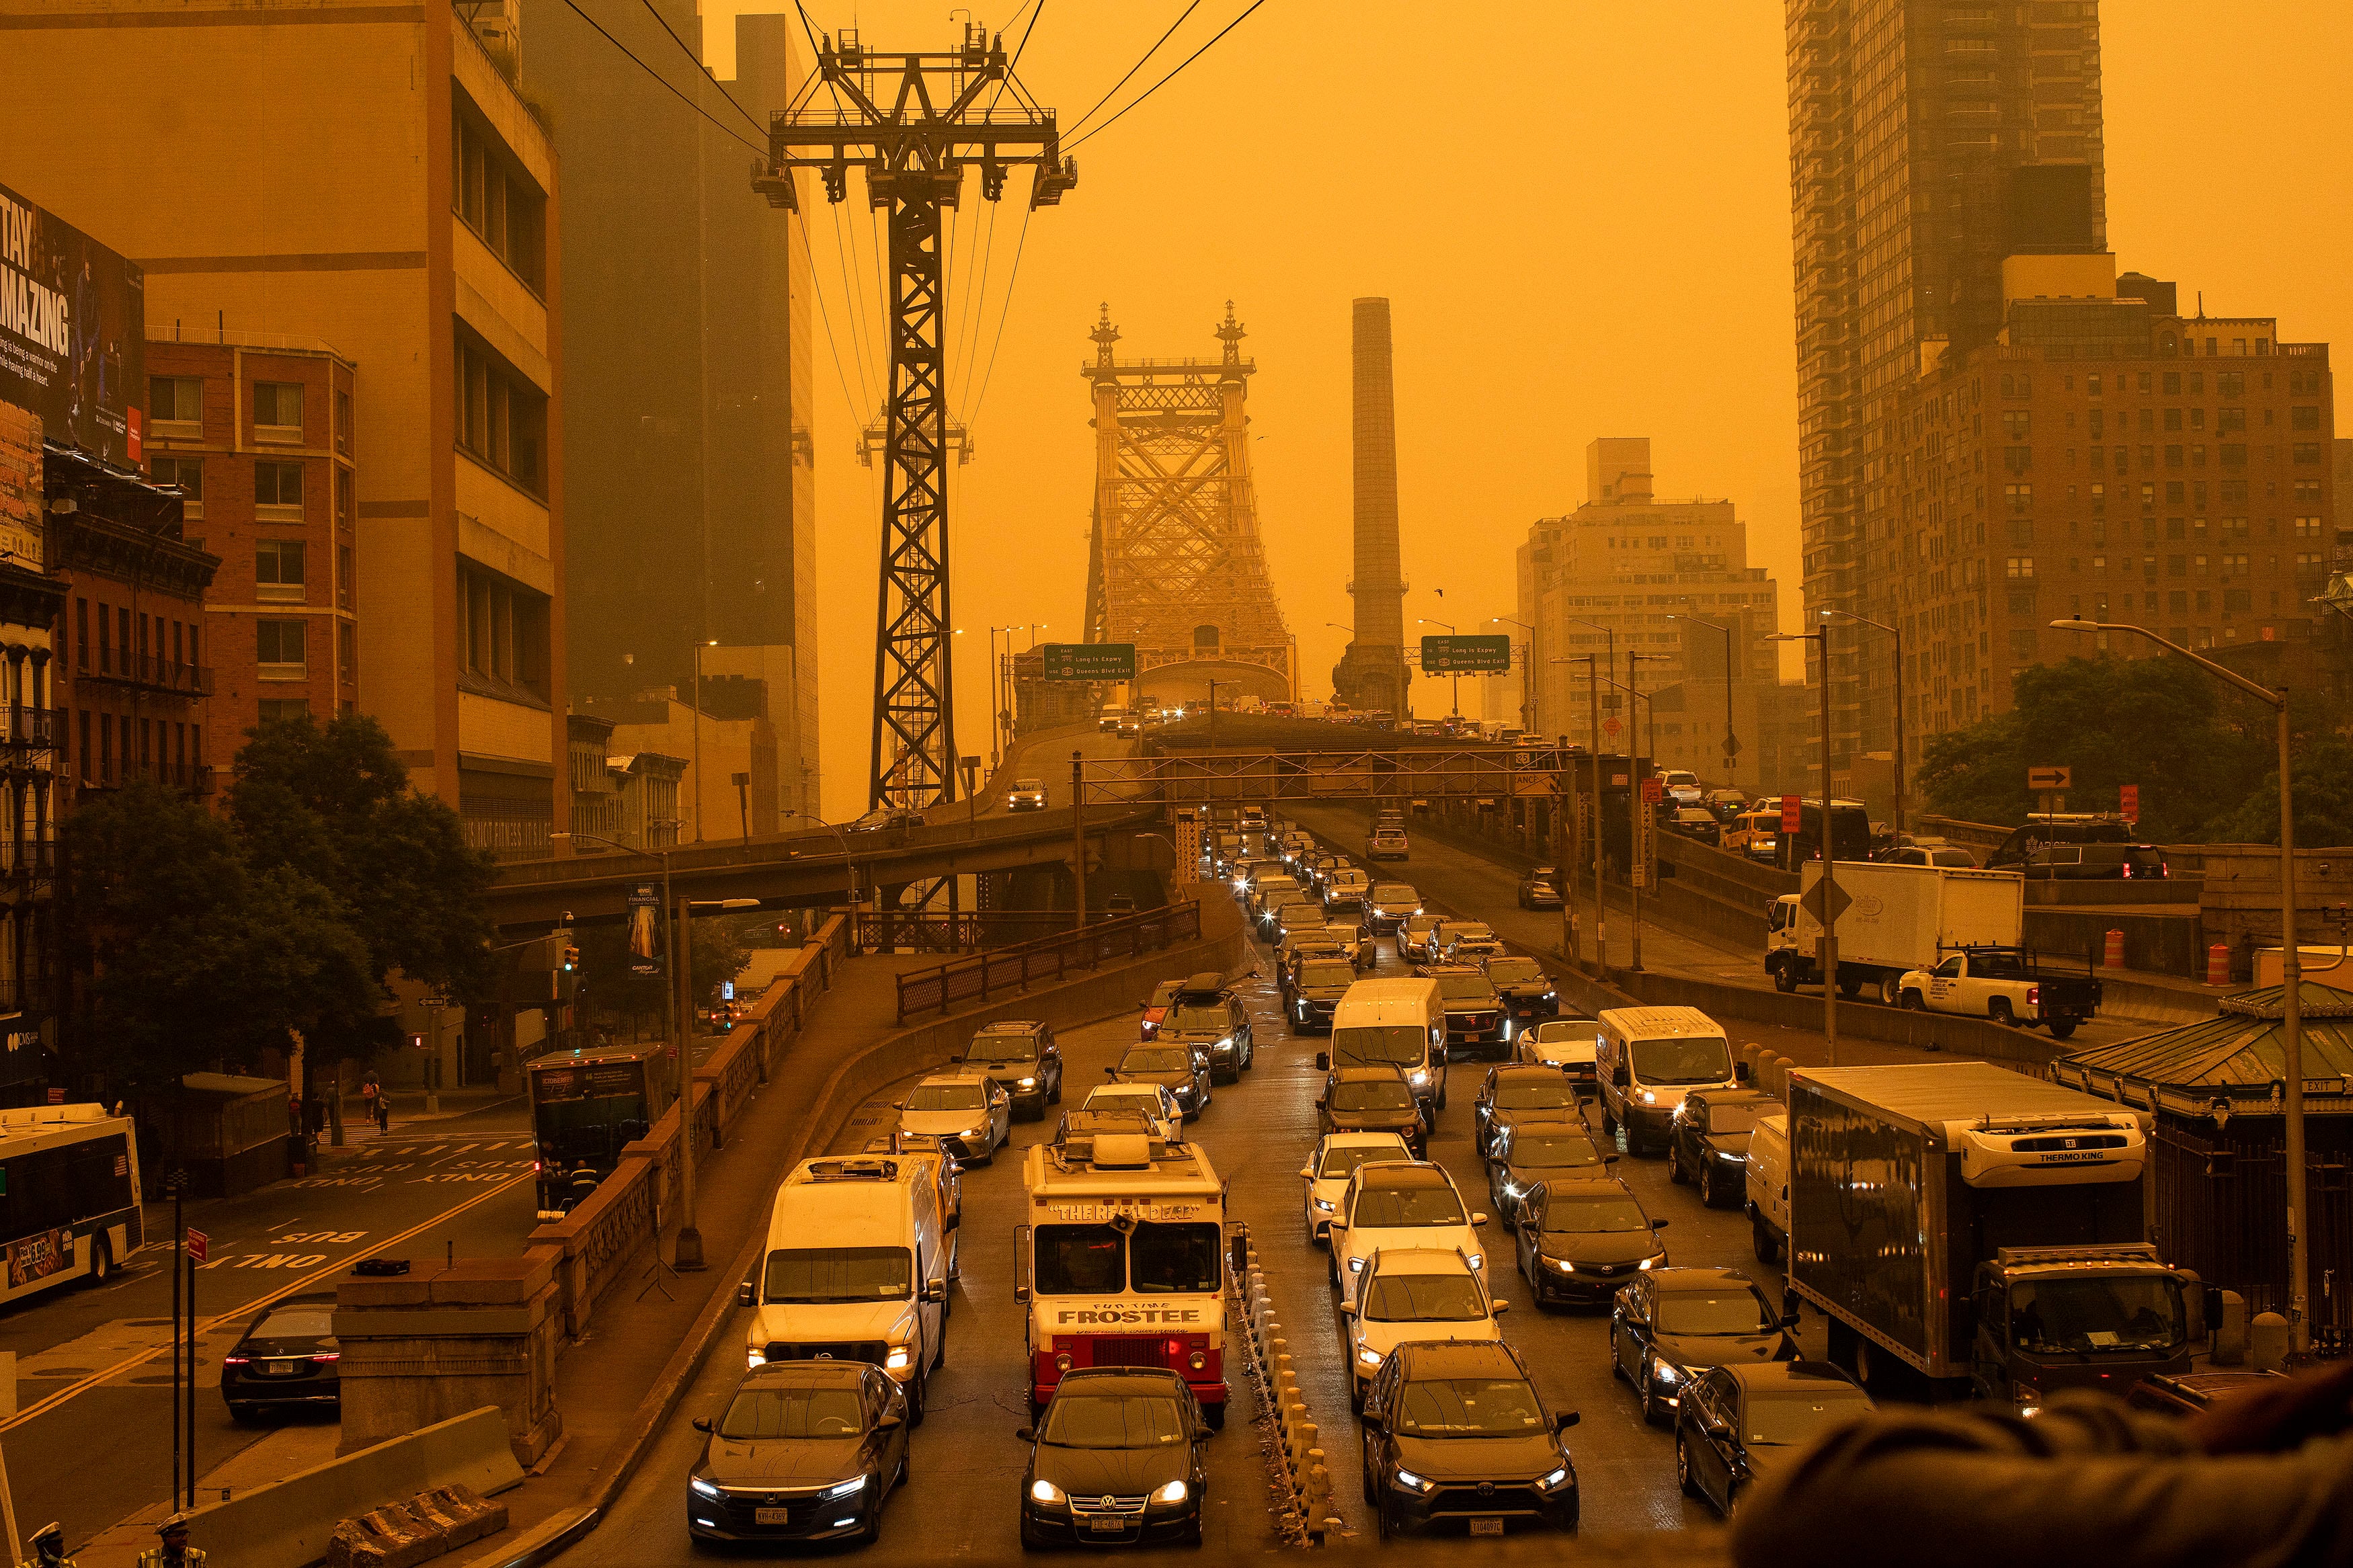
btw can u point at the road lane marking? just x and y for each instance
(236, 1314)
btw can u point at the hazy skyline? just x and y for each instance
(1580, 216)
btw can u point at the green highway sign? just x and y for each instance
(1465, 655)
(1089, 660)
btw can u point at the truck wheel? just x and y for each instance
(1850, 986)
(2063, 1029)
(1768, 1250)
(1675, 1165)
(1785, 978)
(1914, 1003)
(1998, 1011)
(1891, 990)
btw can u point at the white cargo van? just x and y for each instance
(1648, 1058)
(1768, 1186)
(1394, 1023)
(857, 1269)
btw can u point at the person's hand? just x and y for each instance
(2277, 1414)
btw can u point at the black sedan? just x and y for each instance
(1182, 1069)
(287, 1360)
(1513, 1092)
(1475, 1014)
(1456, 1434)
(1540, 888)
(1528, 1152)
(1580, 1240)
(1707, 1142)
(1741, 1423)
(1116, 1458)
(806, 1450)
(1313, 989)
(1372, 1099)
(1673, 1324)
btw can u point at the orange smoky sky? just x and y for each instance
(1579, 212)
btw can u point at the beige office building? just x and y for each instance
(365, 177)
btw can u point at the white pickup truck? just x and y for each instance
(2005, 985)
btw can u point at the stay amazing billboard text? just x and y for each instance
(73, 331)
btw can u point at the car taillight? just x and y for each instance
(2034, 995)
(327, 1355)
(2128, 870)
(237, 1360)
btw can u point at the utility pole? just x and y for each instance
(1079, 835)
(913, 121)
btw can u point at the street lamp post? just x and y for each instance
(2291, 974)
(1731, 742)
(1528, 705)
(1430, 621)
(848, 863)
(1592, 662)
(699, 647)
(1898, 635)
(1830, 958)
(1638, 867)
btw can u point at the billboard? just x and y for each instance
(73, 333)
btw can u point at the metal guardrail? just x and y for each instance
(966, 931)
(943, 986)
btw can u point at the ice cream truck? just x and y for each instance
(1122, 1262)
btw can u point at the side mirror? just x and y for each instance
(1021, 1293)
(1371, 1418)
(1322, 1061)
(1658, 1225)
(1335, 1224)
(1111, 1072)
(935, 1289)
(702, 1422)
(898, 1105)
(1563, 1421)
(1609, 1158)
(744, 1296)
(891, 1420)
(1740, 1072)
(1026, 1434)
(954, 1218)
(1497, 1309)
(1307, 1172)
(1347, 1309)
(1477, 1218)
(1789, 1320)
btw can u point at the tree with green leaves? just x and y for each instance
(194, 955)
(334, 800)
(2322, 778)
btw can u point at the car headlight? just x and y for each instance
(1514, 1187)
(1356, 1266)
(1226, 1043)
(1648, 1098)
(1552, 996)
(1029, 1083)
(2028, 1399)
(1044, 1490)
(1560, 1265)
(901, 1358)
(1666, 1371)
(1321, 1206)
(698, 1484)
(1413, 1482)
(1175, 1491)
(1367, 1357)
(1554, 1480)
(847, 1489)
(755, 1359)
(1419, 1078)
(1478, 1260)
(1063, 1360)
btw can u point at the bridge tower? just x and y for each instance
(1176, 566)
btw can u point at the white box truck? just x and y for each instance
(1896, 919)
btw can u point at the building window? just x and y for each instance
(176, 408)
(343, 423)
(502, 632)
(2018, 566)
(278, 570)
(495, 197)
(2017, 423)
(188, 473)
(2021, 497)
(345, 506)
(347, 652)
(277, 709)
(2023, 649)
(277, 650)
(278, 491)
(2018, 460)
(502, 417)
(277, 412)
(2235, 454)
(2305, 452)
(343, 576)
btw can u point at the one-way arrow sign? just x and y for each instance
(1812, 902)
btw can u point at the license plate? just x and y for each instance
(277, 1368)
(772, 1516)
(1107, 1526)
(1486, 1527)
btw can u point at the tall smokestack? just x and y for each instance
(1372, 674)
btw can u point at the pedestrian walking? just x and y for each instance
(174, 1551)
(383, 1114)
(371, 1101)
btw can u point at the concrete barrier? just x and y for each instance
(289, 1523)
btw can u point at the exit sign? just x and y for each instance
(1089, 660)
(1480, 655)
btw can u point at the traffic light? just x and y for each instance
(571, 959)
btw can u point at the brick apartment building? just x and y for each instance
(259, 440)
(2108, 458)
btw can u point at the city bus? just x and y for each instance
(585, 1107)
(68, 1195)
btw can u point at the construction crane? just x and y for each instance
(914, 121)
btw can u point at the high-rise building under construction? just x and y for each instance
(1928, 141)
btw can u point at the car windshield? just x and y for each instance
(1165, 992)
(1547, 1150)
(838, 1274)
(1419, 923)
(1113, 1097)
(1565, 1214)
(1683, 1059)
(2119, 1312)
(1374, 1094)
(1731, 1119)
(1423, 1298)
(1701, 1313)
(1394, 893)
(1037, 785)
(1182, 1258)
(947, 1097)
(1342, 1160)
(767, 1414)
(1384, 1208)
(1465, 988)
(1468, 1407)
(1113, 1421)
(1156, 1061)
(307, 1322)
(1400, 1045)
(1196, 1016)
(1456, 931)
(1787, 1417)
(1327, 971)
(1552, 1093)
(1002, 1048)
(1511, 970)
(1565, 1031)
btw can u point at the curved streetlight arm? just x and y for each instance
(2220, 673)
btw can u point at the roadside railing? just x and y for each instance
(1294, 1451)
(968, 931)
(942, 988)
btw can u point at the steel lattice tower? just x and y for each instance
(1176, 565)
(913, 121)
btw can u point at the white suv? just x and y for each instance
(1414, 1293)
(1326, 1172)
(1391, 1205)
